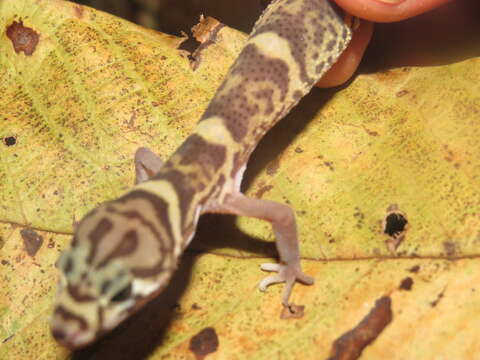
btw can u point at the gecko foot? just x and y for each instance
(286, 273)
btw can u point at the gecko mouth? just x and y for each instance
(71, 340)
(70, 330)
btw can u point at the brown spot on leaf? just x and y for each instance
(204, 343)
(351, 344)
(292, 312)
(195, 306)
(414, 269)
(395, 226)
(437, 300)
(10, 140)
(23, 38)
(371, 132)
(450, 248)
(7, 339)
(329, 164)
(273, 167)
(263, 190)
(31, 240)
(406, 284)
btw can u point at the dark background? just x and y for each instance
(173, 16)
(445, 35)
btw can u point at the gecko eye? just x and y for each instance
(123, 294)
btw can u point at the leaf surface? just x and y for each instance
(94, 88)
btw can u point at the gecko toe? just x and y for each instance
(285, 273)
(270, 267)
(305, 279)
(269, 280)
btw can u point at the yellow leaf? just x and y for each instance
(81, 90)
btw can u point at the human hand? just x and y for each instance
(369, 11)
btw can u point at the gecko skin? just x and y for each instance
(124, 252)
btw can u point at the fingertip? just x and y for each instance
(388, 10)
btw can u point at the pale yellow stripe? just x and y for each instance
(274, 46)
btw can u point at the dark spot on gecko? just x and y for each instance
(292, 312)
(406, 284)
(10, 140)
(320, 66)
(23, 38)
(68, 266)
(414, 269)
(105, 286)
(31, 240)
(203, 343)
(68, 316)
(97, 234)
(297, 95)
(350, 345)
(195, 150)
(240, 105)
(331, 44)
(263, 190)
(332, 30)
(294, 27)
(299, 150)
(80, 295)
(266, 95)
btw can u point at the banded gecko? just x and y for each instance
(124, 252)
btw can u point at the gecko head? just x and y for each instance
(113, 267)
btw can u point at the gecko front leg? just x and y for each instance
(147, 164)
(284, 227)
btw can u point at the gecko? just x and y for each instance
(124, 252)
